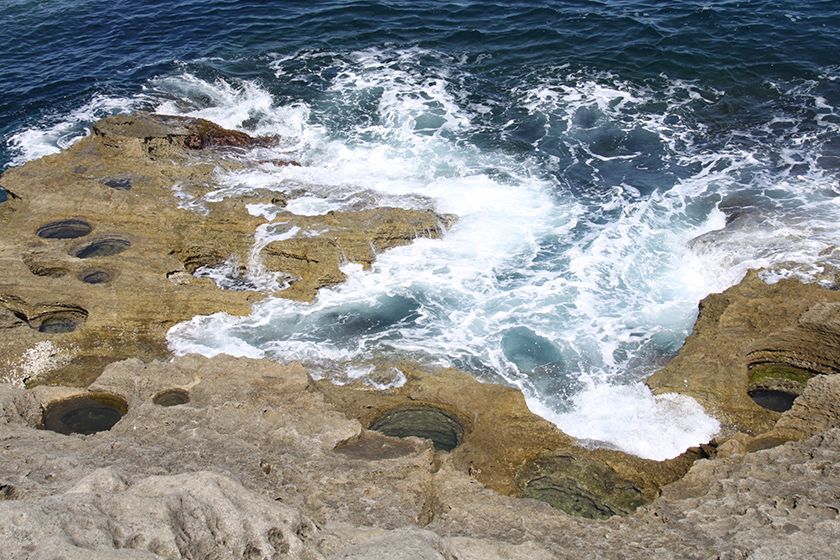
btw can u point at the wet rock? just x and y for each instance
(161, 134)
(579, 486)
(314, 258)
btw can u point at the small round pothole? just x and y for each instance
(773, 399)
(95, 276)
(104, 246)
(64, 229)
(172, 397)
(118, 183)
(442, 428)
(84, 414)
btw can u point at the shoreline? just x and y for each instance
(106, 285)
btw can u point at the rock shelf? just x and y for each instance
(111, 449)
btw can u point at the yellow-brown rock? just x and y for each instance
(100, 242)
(491, 434)
(759, 338)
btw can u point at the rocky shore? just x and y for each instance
(111, 449)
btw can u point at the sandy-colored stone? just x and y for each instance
(511, 450)
(754, 335)
(250, 466)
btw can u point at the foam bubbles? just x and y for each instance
(56, 134)
(593, 213)
(632, 419)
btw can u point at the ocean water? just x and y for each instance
(610, 163)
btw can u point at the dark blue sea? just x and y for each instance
(611, 163)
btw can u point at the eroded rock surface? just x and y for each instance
(760, 339)
(261, 463)
(100, 243)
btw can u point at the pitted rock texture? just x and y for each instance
(495, 437)
(252, 467)
(115, 226)
(755, 336)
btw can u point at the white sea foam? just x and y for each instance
(633, 420)
(55, 134)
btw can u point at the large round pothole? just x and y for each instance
(579, 486)
(442, 428)
(773, 399)
(64, 229)
(85, 414)
(774, 386)
(172, 397)
(104, 246)
(59, 321)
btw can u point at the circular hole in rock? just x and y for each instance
(54, 322)
(64, 229)
(778, 401)
(172, 397)
(95, 276)
(84, 414)
(103, 247)
(445, 431)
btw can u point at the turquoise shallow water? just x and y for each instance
(611, 163)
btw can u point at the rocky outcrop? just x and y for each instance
(101, 244)
(110, 243)
(753, 349)
(254, 460)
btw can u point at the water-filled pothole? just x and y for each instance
(172, 397)
(579, 486)
(95, 276)
(64, 229)
(104, 246)
(59, 321)
(427, 422)
(771, 399)
(85, 414)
